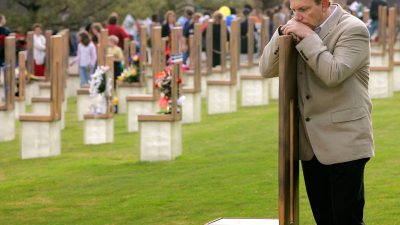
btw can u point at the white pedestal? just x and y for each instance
(274, 88)
(188, 80)
(73, 84)
(396, 57)
(43, 108)
(160, 140)
(255, 92)
(221, 99)
(149, 84)
(254, 70)
(204, 86)
(380, 84)
(20, 108)
(40, 139)
(376, 60)
(83, 102)
(2, 97)
(44, 92)
(396, 78)
(32, 90)
(64, 105)
(136, 108)
(191, 112)
(376, 48)
(7, 128)
(149, 71)
(245, 222)
(99, 131)
(379, 60)
(220, 76)
(124, 91)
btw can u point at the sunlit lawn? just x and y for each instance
(228, 169)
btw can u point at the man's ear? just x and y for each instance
(325, 4)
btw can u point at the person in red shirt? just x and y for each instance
(115, 29)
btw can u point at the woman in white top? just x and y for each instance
(39, 50)
(86, 57)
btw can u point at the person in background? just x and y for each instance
(39, 50)
(86, 57)
(285, 11)
(355, 8)
(94, 32)
(186, 17)
(244, 27)
(155, 19)
(187, 31)
(230, 18)
(373, 15)
(20, 42)
(116, 30)
(4, 32)
(116, 51)
(203, 20)
(270, 14)
(168, 24)
(216, 57)
(132, 27)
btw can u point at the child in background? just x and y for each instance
(39, 50)
(116, 51)
(86, 57)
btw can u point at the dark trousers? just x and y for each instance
(335, 192)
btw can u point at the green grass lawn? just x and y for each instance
(228, 169)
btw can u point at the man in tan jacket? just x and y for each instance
(336, 139)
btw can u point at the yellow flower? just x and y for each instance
(135, 58)
(115, 101)
(120, 78)
(134, 72)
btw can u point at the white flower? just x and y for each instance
(181, 100)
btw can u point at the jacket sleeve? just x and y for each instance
(269, 61)
(349, 55)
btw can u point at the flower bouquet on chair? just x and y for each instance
(100, 89)
(131, 73)
(164, 85)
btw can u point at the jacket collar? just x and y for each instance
(332, 21)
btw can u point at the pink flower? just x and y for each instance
(163, 102)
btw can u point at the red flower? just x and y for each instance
(179, 80)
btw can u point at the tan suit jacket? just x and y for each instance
(332, 75)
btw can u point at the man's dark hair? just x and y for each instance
(84, 38)
(233, 10)
(113, 20)
(246, 12)
(248, 6)
(155, 18)
(189, 12)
